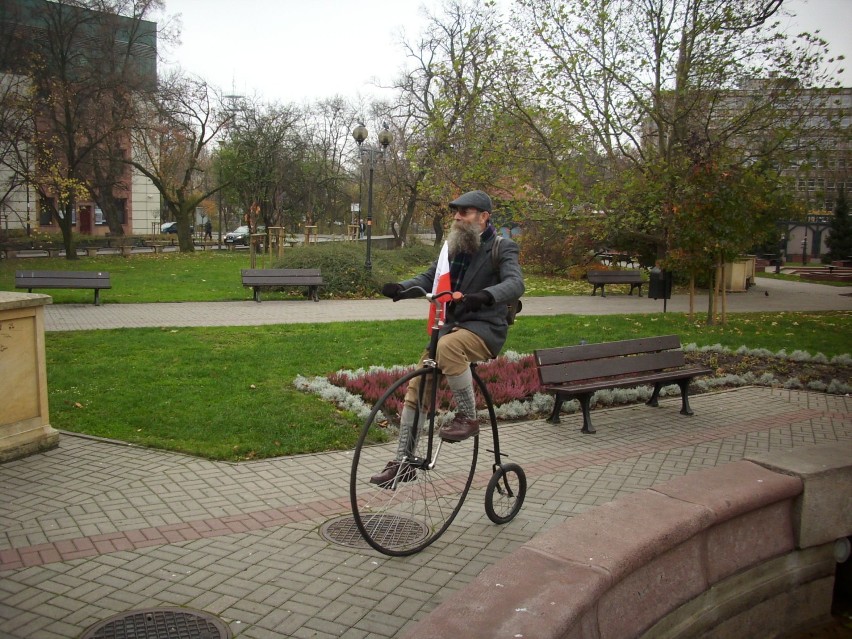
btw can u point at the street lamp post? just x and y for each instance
(372, 153)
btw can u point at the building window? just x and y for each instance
(44, 216)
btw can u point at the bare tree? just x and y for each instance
(171, 146)
(443, 108)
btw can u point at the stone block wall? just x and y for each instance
(745, 549)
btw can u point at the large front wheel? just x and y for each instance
(429, 482)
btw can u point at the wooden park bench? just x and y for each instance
(279, 277)
(599, 279)
(63, 279)
(580, 371)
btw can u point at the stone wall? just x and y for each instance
(745, 549)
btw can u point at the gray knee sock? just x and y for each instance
(407, 443)
(462, 387)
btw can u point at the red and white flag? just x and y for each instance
(441, 283)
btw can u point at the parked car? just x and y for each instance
(171, 227)
(240, 235)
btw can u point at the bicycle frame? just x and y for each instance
(431, 362)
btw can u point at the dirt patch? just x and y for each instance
(781, 368)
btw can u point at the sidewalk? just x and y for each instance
(94, 528)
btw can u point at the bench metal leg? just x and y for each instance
(97, 297)
(585, 402)
(585, 405)
(256, 290)
(312, 293)
(655, 395)
(557, 407)
(684, 397)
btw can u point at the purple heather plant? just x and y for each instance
(507, 380)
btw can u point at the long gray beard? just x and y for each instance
(463, 238)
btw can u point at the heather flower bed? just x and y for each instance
(513, 381)
(510, 378)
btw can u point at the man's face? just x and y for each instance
(471, 217)
(468, 224)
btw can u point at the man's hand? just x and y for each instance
(472, 302)
(392, 290)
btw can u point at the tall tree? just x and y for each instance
(171, 146)
(325, 135)
(256, 159)
(649, 81)
(839, 241)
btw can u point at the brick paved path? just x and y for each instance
(95, 528)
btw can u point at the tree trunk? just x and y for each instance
(109, 207)
(691, 296)
(183, 213)
(438, 227)
(66, 224)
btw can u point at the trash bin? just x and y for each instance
(660, 284)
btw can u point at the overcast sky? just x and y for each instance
(303, 50)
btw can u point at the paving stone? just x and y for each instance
(280, 576)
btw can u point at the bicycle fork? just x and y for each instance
(424, 418)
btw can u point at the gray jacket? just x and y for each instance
(505, 285)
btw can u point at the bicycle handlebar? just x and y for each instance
(434, 297)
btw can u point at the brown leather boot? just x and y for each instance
(459, 429)
(391, 471)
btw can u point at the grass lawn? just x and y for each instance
(165, 277)
(214, 276)
(227, 393)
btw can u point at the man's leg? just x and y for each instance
(456, 351)
(409, 431)
(408, 434)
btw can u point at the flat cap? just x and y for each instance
(476, 199)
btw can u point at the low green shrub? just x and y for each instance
(342, 266)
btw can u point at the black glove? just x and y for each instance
(472, 302)
(392, 290)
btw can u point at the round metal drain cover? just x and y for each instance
(344, 531)
(159, 623)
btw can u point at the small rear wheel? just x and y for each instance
(505, 493)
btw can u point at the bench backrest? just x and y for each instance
(273, 276)
(62, 279)
(591, 361)
(597, 277)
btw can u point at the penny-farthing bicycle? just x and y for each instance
(410, 512)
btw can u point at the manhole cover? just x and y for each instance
(344, 531)
(159, 623)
